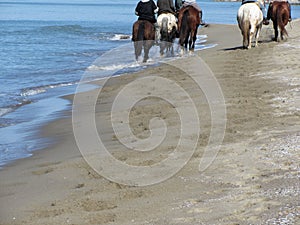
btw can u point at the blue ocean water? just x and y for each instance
(47, 45)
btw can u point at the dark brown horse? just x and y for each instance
(188, 23)
(143, 35)
(279, 13)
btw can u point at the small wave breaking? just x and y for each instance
(41, 89)
(113, 67)
(121, 37)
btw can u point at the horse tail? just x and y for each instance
(141, 31)
(280, 12)
(184, 27)
(140, 38)
(246, 32)
(164, 29)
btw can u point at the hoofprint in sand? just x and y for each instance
(253, 180)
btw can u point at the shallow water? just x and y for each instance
(46, 47)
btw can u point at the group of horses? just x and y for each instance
(249, 17)
(185, 28)
(250, 20)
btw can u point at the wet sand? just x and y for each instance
(253, 180)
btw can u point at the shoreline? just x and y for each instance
(53, 171)
(34, 144)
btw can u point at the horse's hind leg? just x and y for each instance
(245, 39)
(194, 37)
(137, 49)
(257, 35)
(191, 41)
(251, 34)
(276, 31)
(162, 47)
(147, 45)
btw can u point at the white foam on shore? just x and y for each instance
(42, 89)
(113, 66)
(4, 111)
(121, 37)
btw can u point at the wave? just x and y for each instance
(120, 37)
(4, 111)
(11, 108)
(113, 67)
(41, 89)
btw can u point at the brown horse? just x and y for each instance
(279, 13)
(143, 35)
(188, 23)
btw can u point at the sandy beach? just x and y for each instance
(253, 180)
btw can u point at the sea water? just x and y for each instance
(47, 45)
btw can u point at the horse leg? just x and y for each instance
(195, 36)
(137, 49)
(245, 32)
(186, 41)
(192, 41)
(275, 30)
(245, 38)
(146, 51)
(162, 48)
(252, 32)
(147, 45)
(258, 28)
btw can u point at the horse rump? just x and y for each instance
(137, 37)
(279, 13)
(188, 22)
(143, 35)
(282, 19)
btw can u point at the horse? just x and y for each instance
(188, 23)
(279, 13)
(143, 35)
(168, 29)
(250, 19)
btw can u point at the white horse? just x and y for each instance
(168, 26)
(250, 18)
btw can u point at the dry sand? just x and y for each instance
(254, 179)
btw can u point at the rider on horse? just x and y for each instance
(146, 10)
(165, 6)
(262, 8)
(194, 4)
(270, 8)
(178, 4)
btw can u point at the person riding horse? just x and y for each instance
(194, 4)
(270, 9)
(262, 8)
(178, 4)
(165, 6)
(146, 10)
